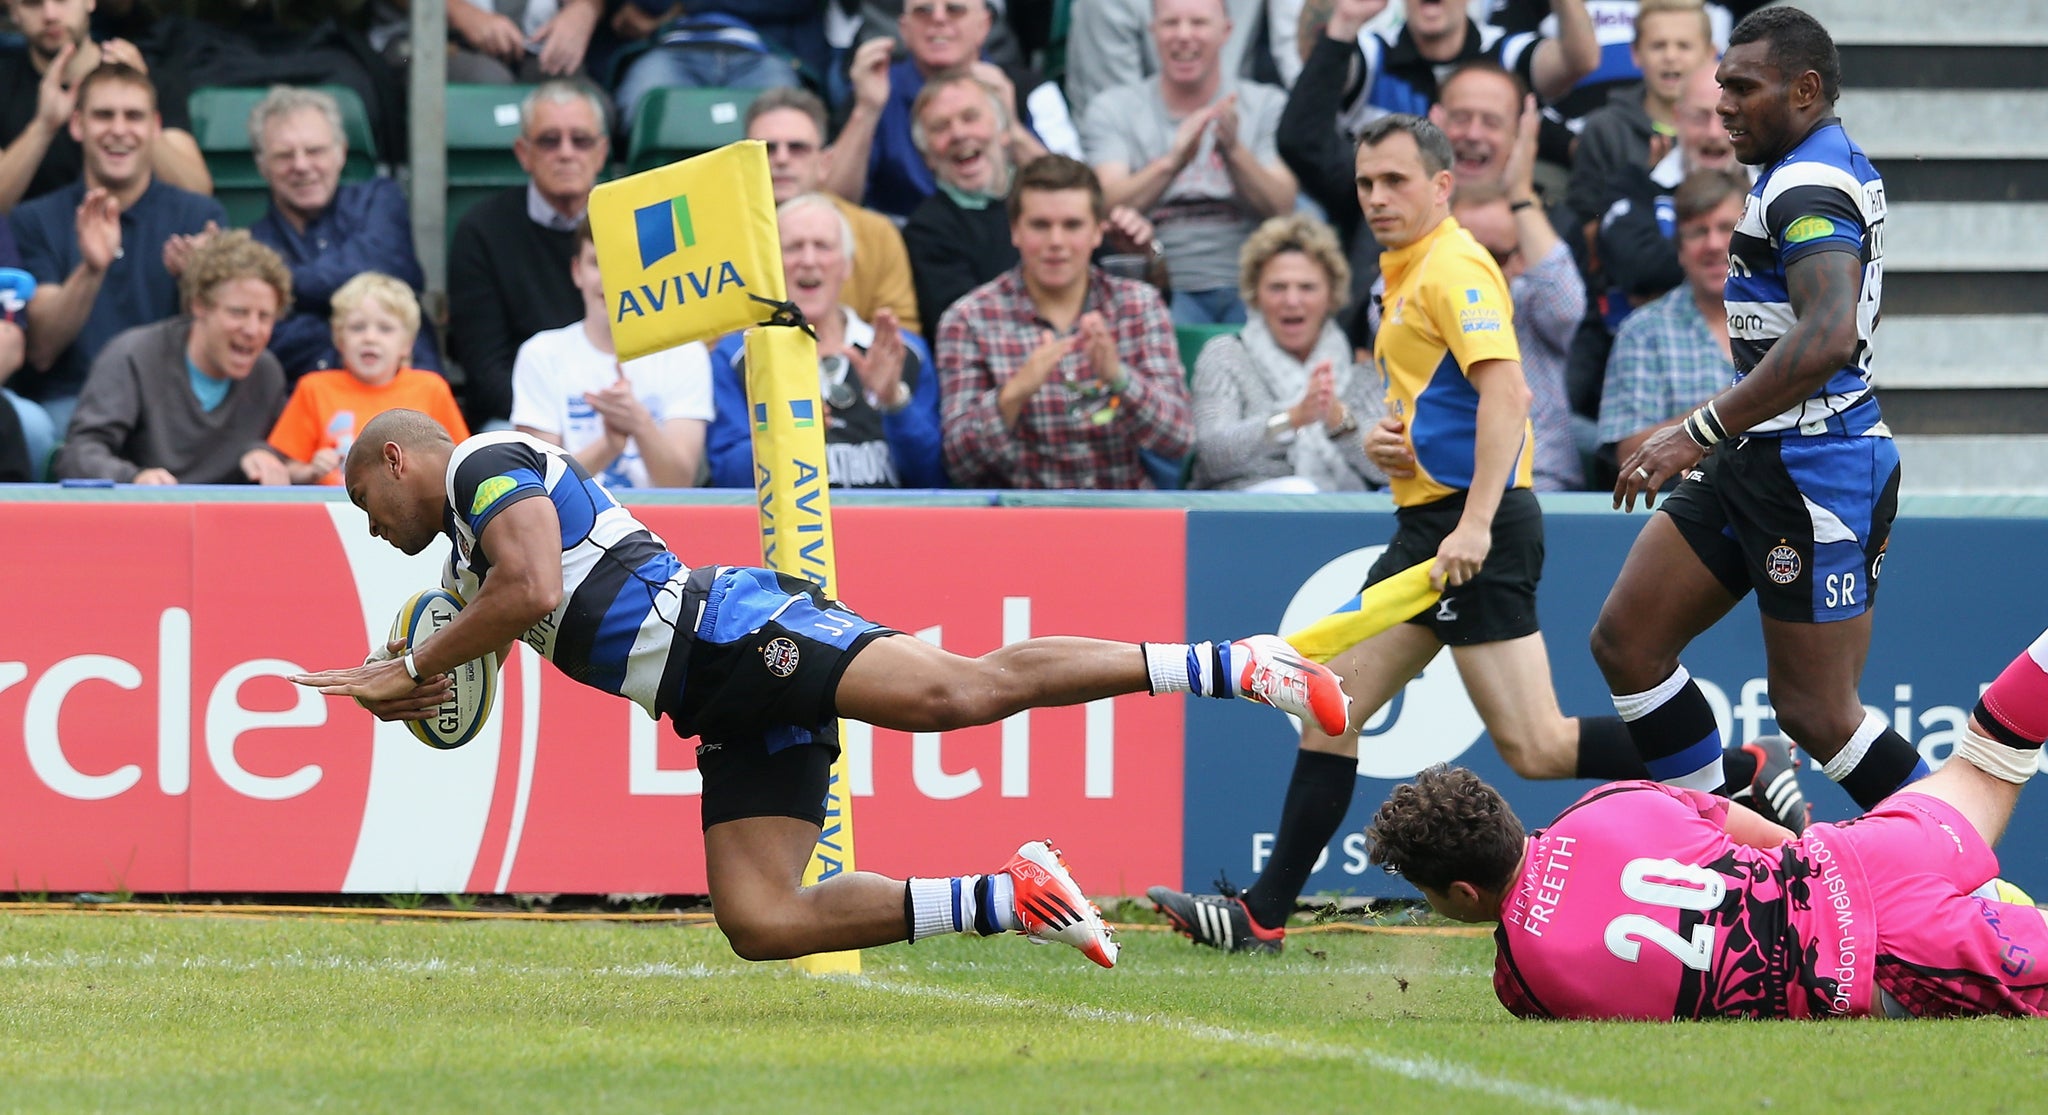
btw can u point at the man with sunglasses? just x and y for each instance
(791, 123)
(876, 162)
(508, 268)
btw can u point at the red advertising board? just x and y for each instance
(156, 746)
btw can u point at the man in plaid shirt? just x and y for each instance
(1057, 374)
(1671, 355)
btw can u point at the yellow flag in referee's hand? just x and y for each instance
(1397, 599)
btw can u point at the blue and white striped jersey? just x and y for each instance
(1822, 197)
(1393, 76)
(621, 587)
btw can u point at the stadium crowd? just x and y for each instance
(1044, 243)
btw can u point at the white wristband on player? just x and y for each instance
(1704, 427)
(412, 669)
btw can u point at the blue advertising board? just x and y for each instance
(1952, 610)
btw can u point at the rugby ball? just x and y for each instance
(475, 683)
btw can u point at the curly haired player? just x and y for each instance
(1645, 900)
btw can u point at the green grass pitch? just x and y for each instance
(218, 1014)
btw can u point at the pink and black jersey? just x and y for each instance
(1635, 903)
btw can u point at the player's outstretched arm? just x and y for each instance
(384, 673)
(524, 586)
(524, 542)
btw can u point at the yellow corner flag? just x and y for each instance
(1397, 599)
(685, 248)
(691, 252)
(795, 498)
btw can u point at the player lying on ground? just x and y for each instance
(759, 667)
(1648, 901)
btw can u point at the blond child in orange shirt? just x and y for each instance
(375, 319)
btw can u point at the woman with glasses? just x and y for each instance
(881, 397)
(1279, 406)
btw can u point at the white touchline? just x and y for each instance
(382, 965)
(1430, 1070)
(1244, 971)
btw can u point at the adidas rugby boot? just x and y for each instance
(1216, 920)
(1774, 789)
(1051, 907)
(1272, 672)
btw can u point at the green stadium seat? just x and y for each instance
(220, 123)
(1191, 338)
(674, 124)
(482, 121)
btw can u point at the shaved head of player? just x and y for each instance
(757, 664)
(397, 473)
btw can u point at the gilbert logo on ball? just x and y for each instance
(686, 248)
(474, 684)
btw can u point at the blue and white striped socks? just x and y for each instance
(1675, 732)
(980, 904)
(1204, 669)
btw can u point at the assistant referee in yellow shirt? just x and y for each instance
(1456, 445)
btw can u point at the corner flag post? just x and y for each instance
(690, 252)
(795, 500)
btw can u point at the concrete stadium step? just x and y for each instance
(1922, 293)
(1956, 351)
(1966, 236)
(1942, 66)
(1965, 179)
(1975, 464)
(2012, 22)
(1966, 411)
(1947, 124)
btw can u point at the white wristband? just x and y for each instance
(411, 669)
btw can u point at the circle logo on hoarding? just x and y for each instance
(1430, 721)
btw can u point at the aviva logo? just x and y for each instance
(659, 225)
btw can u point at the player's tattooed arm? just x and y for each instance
(1824, 287)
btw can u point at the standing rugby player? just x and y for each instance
(1790, 477)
